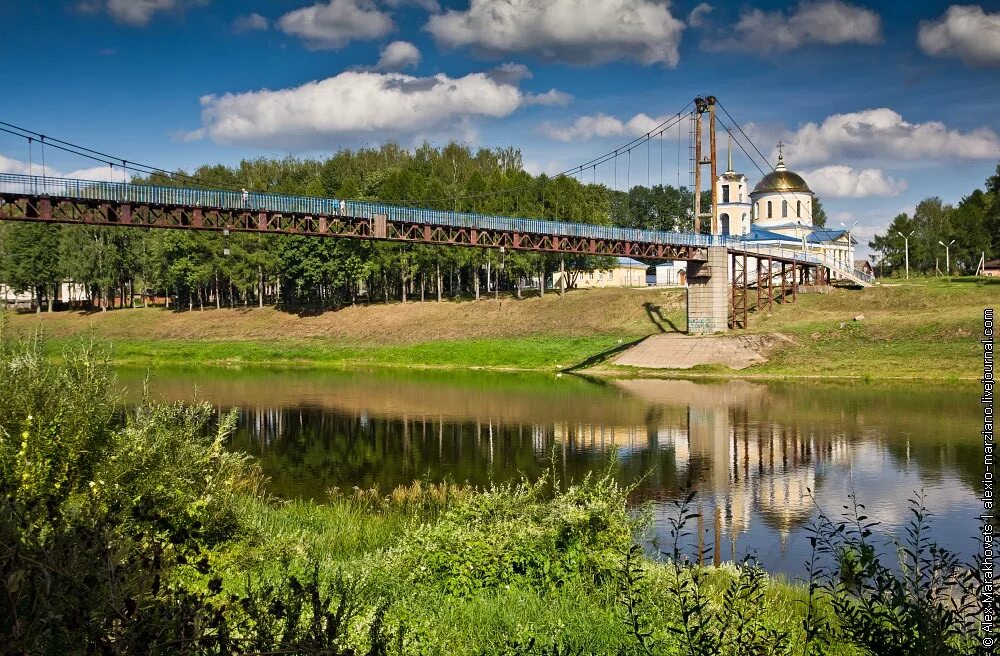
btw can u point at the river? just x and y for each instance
(761, 456)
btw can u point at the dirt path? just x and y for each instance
(677, 351)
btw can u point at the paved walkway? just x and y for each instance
(676, 351)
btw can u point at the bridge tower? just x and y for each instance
(702, 106)
(707, 281)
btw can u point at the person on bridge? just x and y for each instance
(343, 208)
(246, 197)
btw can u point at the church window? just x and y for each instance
(725, 193)
(770, 212)
(784, 209)
(798, 209)
(724, 224)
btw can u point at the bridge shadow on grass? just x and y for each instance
(655, 314)
(601, 357)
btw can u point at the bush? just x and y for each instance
(110, 519)
(522, 534)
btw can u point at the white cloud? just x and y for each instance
(427, 5)
(601, 125)
(840, 181)
(250, 23)
(882, 133)
(510, 73)
(137, 13)
(697, 16)
(964, 31)
(812, 21)
(398, 55)
(551, 98)
(356, 103)
(101, 173)
(572, 31)
(333, 24)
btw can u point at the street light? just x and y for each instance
(947, 254)
(906, 239)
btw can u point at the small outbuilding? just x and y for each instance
(864, 266)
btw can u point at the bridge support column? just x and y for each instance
(708, 290)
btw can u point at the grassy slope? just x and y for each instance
(921, 329)
(534, 333)
(924, 329)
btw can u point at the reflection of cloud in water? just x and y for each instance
(885, 485)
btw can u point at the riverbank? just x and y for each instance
(924, 329)
(556, 565)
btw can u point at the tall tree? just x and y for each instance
(818, 213)
(29, 254)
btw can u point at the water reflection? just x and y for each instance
(756, 453)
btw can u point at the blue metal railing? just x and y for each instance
(120, 192)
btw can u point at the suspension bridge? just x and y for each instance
(727, 276)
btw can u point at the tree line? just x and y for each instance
(971, 230)
(115, 267)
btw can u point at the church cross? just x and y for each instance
(781, 149)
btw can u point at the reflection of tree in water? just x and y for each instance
(752, 456)
(307, 451)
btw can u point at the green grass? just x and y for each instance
(927, 329)
(917, 329)
(517, 353)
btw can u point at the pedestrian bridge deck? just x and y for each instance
(64, 200)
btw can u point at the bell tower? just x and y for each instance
(733, 209)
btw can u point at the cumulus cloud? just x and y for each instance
(397, 56)
(356, 103)
(601, 125)
(101, 173)
(812, 21)
(509, 73)
(964, 31)
(572, 31)
(137, 13)
(551, 98)
(250, 23)
(839, 181)
(883, 133)
(331, 25)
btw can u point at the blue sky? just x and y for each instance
(882, 104)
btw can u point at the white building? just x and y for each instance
(734, 211)
(625, 273)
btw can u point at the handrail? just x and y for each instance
(281, 203)
(123, 192)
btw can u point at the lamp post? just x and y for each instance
(906, 240)
(947, 255)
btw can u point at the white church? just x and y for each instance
(778, 212)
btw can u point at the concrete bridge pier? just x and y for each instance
(708, 290)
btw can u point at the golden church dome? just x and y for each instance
(781, 179)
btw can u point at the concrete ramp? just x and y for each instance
(677, 351)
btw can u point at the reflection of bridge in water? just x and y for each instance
(672, 431)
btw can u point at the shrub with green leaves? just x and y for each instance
(522, 534)
(97, 500)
